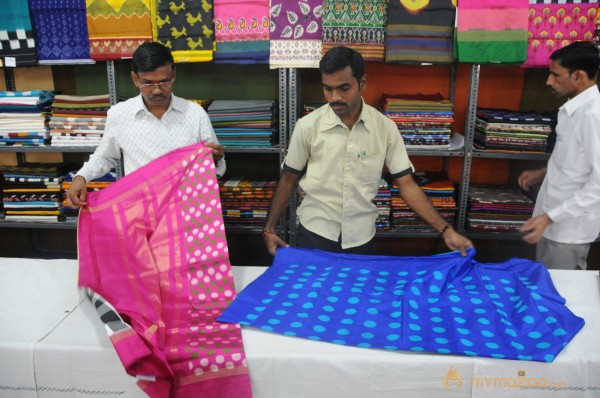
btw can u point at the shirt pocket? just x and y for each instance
(369, 170)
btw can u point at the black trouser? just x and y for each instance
(310, 240)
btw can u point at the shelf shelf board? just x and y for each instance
(47, 148)
(253, 149)
(433, 152)
(39, 224)
(406, 234)
(493, 235)
(510, 155)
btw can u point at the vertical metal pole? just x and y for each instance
(112, 98)
(470, 133)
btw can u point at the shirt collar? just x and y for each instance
(331, 119)
(177, 104)
(579, 100)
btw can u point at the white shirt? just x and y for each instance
(570, 193)
(132, 129)
(343, 170)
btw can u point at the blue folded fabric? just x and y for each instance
(445, 304)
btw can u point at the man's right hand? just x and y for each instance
(77, 192)
(273, 242)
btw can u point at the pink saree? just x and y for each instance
(153, 246)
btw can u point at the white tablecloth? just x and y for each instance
(53, 344)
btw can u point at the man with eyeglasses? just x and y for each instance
(149, 125)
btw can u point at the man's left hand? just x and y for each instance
(218, 151)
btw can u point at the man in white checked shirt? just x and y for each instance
(149, 125)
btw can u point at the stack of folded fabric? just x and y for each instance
(503, 130)
(24, 116)
(78, 120)
(440, 191)
(382, 201)
(424, 121)
(32, 192)
(244, 122)
(69, 213)
(497, 208)
(245, 201)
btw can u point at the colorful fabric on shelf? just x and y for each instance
(555, 24)
(296, 34)
(61, 31)
(356, 24)
(242, 31)
(445, 304)
(186, 27)
(117, 28)
(169, 277)
(17, 42)
(420, 32)
(489, 31)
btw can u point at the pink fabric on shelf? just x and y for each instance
(554, 26)
(153, 245)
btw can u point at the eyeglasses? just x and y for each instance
(161, 85)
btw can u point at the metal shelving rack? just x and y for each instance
(285, 79)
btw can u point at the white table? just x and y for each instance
(53, 344)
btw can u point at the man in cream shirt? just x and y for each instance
(337, 154)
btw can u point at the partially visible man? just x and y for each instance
(566, 218)
(337, 154)
(149, 125)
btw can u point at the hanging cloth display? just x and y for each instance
(185, 27)
(489, 31)
(420, 32)
(556, 24)
(242, 31)
(17, 43)
(296, 34)
(152, 246)
(61, 31)
(117, 28)
(356, 24)
(445, 304)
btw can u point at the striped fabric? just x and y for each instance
(421, 32)
(489, 31)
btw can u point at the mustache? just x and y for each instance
(337, 104)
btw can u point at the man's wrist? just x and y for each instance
(80, 176)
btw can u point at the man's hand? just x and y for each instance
(456, 241)
(528, 178)
(218, 151)
(273, 242)
(534, 228)
(77, 192)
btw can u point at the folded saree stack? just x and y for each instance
(245, 201)
(24, 116)
(78, 120)
(497, 208)
(244, 122)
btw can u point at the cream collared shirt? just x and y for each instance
(132, 129)
(343, 169)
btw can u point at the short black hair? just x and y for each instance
(580, 55)
(150, 56)
(341, 57)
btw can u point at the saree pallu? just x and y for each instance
(242, 31)
(186, 27)
(420, 32)
(553, 26)
(61, 31)
(153, 246)
(359, 25)
(445, 304)
(489, 31)
(296, 34)
(17, 42)
(116, 29)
